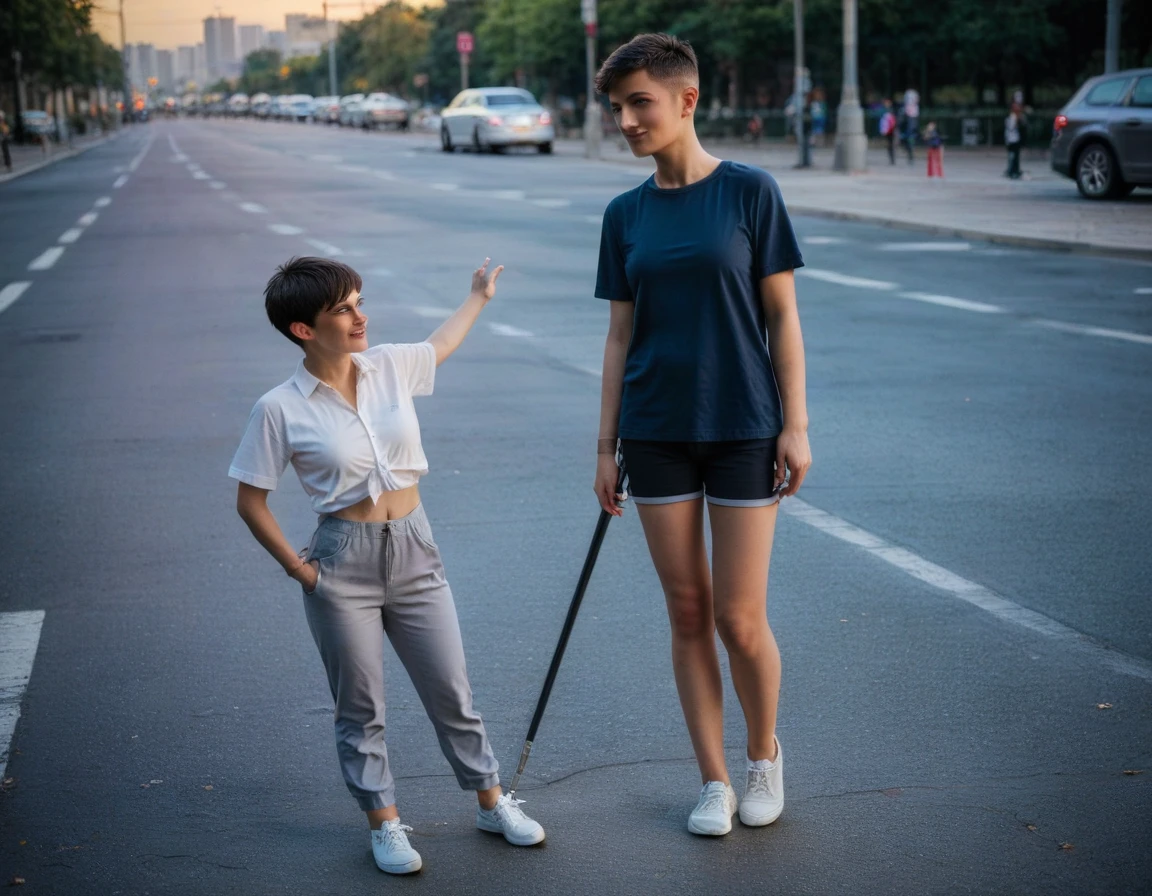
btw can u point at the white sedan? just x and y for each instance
(491, 118)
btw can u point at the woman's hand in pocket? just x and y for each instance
(308, 575)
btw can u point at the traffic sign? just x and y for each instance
(464, 42)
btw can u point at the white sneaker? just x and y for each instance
(764, 796)
(392, 851)
(507, 818)
(712, 816)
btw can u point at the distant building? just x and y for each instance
(252, 38)
(306, 35)
(166, 70)
(201, 69)
(220, 48)
(278, 41)
(185, 65)
(141, 60)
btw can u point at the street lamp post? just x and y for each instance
(851, 144)
(592, 109)
(804, 160)
(1112, 36)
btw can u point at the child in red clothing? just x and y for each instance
(935, 144)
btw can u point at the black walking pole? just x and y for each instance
(569, 622)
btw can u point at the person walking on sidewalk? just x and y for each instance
(1015, 130)
(911, 115)
(5, 134)
(346, 422)
(935, 144)
(703, 387)
(888, 130)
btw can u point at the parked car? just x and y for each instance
(349, 109)
(325, 108)
(260, 105)
(37, 125)
(238, 105)
(1102, 138)
(384, 110)
(491, 118)
(300, 107)
(281, 107)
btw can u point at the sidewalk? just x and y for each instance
(973, 201)
(26, 159)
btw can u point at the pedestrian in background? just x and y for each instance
(347, 423)
(888, 130)
(703, 394)
(4, 137)
(818, 109)
(755, 128)
(935, 144)
(911, 110)
(1015, 131)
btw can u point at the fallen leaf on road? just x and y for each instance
(22, 842)
(207, 786)
(1103, 705)
(1067, 847)
(1133, 771)
(1030, 827)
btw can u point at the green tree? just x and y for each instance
(261, 72)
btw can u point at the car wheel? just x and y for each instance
(545, 149)
(446, 140)
(1096, 174)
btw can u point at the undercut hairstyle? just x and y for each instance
(301, 288)
(667, 59)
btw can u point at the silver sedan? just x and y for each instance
(492, 118)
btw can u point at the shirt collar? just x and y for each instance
(307, 383)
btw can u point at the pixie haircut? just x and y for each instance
(303, 287)
(667, 59)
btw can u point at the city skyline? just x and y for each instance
(169, 24)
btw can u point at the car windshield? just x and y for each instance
(510, 99)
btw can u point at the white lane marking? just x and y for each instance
(12, 292)
(70, 235)
(324, 158)
(46, 259)
(844, 279)
(103, 202)
(551, 203)
(1103, 332)
(135, 163)
(958, 246)
(172, 143)
(321, 246)
(88, 218)
(508, 195)
(353, 169)
(254, 208)
(965, 590)
(409, 154)
(446, 187)
(382, 272)
(201, 175)
(824, 240)
(506, 330)
(594, 219)
(286, 229)
(120, 181)
(384, 175)
(429, 311)
(1143, 290)
(193, 166)
(179, 157)
(951, 302)
(217, 185)
(19, 638)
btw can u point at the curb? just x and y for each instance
(1005, 239)
(59, 157)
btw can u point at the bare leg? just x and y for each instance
(675, 534)
(488, 798)
(741, 550)
(377, 817)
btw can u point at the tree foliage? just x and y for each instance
(57, 44)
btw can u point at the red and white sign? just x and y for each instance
(464, 42)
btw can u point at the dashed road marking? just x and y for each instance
(507, 330)
(12, 292)
(958, 587)
(594, 219)
(942, 246)
(447, 188)
(429, 311)
(824, 240)
(254, 208)
(70, 235)
(1143, 290)
(353, 169)
(844, 279)
(217, 185)
(1102, 332)
(19, 638)
(46, 259)
(103, 202)
(135, 163)
(384, 175)
(951, 302)
(201, 175)
(551, 203)
(120, 181)
(286, 229)
(88, 218)
(321, 246)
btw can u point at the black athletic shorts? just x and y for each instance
(731, 474)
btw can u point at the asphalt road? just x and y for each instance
(962, 587)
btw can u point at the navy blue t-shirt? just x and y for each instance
(691, 259)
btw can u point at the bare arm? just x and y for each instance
(450, 334)
(786, 346)
(252, 505)
(611, 391)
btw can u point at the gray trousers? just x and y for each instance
(380, 579)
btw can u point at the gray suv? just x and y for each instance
(1102, 138)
